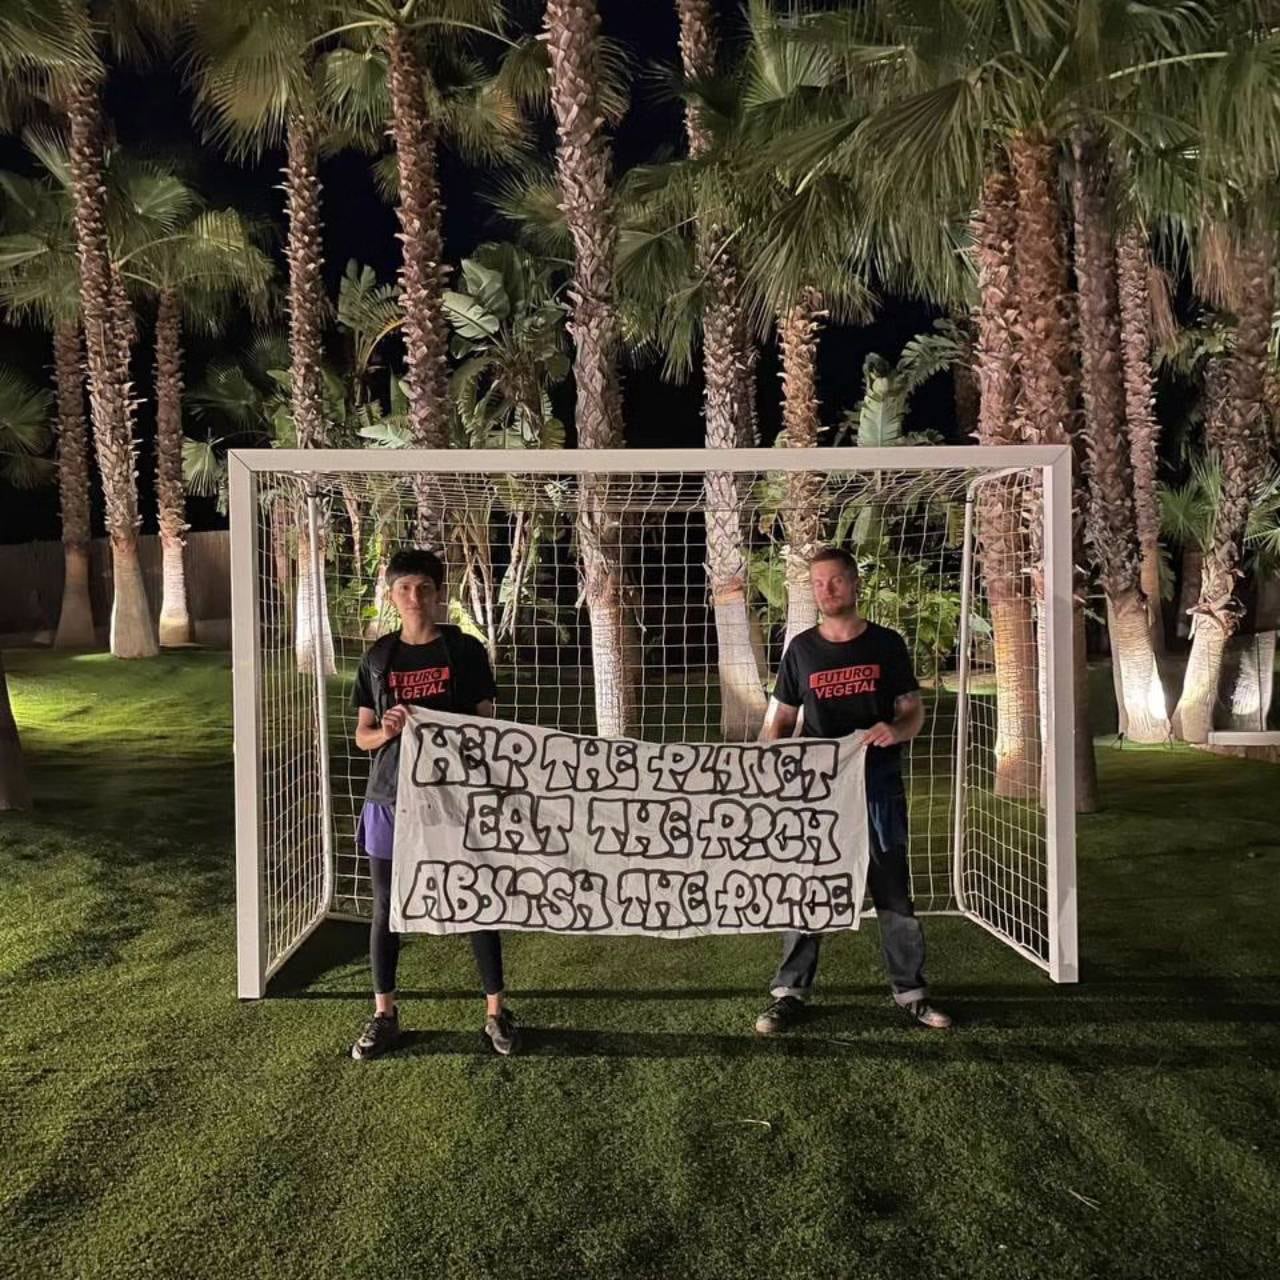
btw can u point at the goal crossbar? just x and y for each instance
(624, 461)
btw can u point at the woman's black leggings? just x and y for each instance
(384, 946)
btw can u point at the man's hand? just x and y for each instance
(393, 721)
(881, 735)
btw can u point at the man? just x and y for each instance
(848, 674)
(421, 665)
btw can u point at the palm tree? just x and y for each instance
(807, 243)
(1017, 744)
(1112, 515)
(194, 272)
(1138, 312)
(130, 28)
(726, 374)
(1236, 105)
(1236, 431)
(1191, 514)
(799, 327)
(40, 280)
(407, 71)
(400, 89)
(1045, 335)
(583, 162)
(952, 88)
(257, 83)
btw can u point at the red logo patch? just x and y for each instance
(412, 686)
(845, 682)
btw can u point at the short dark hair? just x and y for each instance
(417, 561)
(845, 559)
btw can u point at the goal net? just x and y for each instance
(650, 594)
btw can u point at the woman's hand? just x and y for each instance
(393, 721)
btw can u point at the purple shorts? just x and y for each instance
(376, 830)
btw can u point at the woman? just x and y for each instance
(421, 665)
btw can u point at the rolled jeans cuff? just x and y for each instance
(796, 993)
(910, 997)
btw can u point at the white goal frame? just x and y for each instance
(1051, 463)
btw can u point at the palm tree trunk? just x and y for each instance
(1141, 698)
(110, 398)
(1189, 588)
(1000, 516)
(1242, 450)
(802, 516)
(1250, 666)
(376, 624)
(312, 607)
(1111, 522)
(583, 169)
(175, 618)
(426, 335)
(742, 696)
(305, 252)
(1193, 716)
(15, 792)
(1133, 266)
(351, 501)
(283, 561)
(964, 392)
(1017, 744)
(1043, 331)
(747, 358)
(75, 618)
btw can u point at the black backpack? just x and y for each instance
(384, 768)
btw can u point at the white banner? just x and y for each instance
(508, 826)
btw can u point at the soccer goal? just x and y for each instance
(650, 594)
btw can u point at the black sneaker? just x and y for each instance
(501, 1033)
(779, 1016)
(381, 1034)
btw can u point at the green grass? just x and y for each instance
(151, 1125)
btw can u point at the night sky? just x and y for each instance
(151, 113)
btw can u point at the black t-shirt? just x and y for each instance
(847, 685)
(441, 676)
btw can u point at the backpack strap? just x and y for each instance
(448, 635)
(382, 654)
(380, 657)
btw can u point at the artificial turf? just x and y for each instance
(152, 1125)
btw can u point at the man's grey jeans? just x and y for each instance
(889, 883)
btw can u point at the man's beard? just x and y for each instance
(849, 610)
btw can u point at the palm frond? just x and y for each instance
(356, 92)
(252, 66)
(530, 199)
(25, 412)
(204, 470)
(45, 36)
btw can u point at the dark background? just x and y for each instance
(151, 113)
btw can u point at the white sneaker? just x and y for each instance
(926, 1015)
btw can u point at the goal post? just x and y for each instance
(965, 550)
